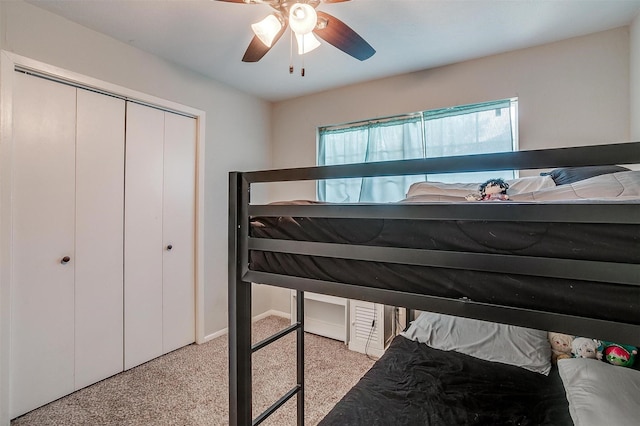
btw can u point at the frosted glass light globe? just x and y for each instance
(302, 18)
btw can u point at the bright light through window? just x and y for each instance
(469, 129)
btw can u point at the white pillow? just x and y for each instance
(508, 344)
(600, 393)
(516, 186)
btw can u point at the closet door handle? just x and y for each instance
(65, 260)
(169, 247)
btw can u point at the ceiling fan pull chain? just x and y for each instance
(290, 52)
(302, 69)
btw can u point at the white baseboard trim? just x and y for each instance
(271, 312)
(212, 336)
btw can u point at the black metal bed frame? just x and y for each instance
(240, 244)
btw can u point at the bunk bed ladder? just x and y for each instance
(298, 389)
(240, 348)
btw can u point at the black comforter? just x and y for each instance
(413, 384)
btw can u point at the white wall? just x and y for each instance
(573, 92)
(37, 34)
(635, 78)
(2, 27)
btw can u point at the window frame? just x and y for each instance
(423, 116)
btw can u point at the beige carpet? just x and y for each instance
(190, 386)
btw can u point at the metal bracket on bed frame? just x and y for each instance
(240, 348)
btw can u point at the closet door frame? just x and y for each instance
(9, 63)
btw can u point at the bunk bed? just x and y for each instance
(529, 262)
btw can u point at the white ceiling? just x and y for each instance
(210, 37)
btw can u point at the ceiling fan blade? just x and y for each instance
(257, 49)
(344, 38)
(240, 1)
(272, 3)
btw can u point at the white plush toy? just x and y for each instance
(582, 347)
(560, 345)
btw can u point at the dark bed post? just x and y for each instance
(300, 354)
(240, 407)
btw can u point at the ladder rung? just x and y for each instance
(275, 337)
(266, 413)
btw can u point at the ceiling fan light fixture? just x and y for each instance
(306, 43)
(302, 18)
(267, 29)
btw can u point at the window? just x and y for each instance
(462, 130)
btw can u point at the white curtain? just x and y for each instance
(394, 140)
(469, 129)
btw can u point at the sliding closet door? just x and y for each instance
(42, 294)
(99, 237)
(179, 232)
(143, 234)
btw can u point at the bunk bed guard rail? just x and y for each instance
(241, 243)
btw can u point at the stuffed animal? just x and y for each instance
(583, 347)
(616, 354)
(560, 345)
(493, 189)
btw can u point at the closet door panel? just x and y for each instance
(42, 299)
(99, 237)
(143, 234)
(179, 232)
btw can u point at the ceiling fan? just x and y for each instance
(303, 19)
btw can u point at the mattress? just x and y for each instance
(413, 384)
(617, 243)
